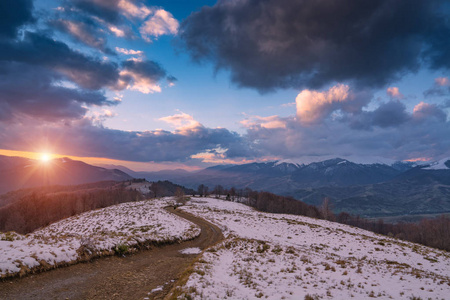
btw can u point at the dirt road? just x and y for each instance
(131, 277)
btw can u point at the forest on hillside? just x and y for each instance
(31, 209)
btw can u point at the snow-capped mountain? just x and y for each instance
(443, 164)
(373, 187)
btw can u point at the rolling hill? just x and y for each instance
(18, 172)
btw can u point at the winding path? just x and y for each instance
(131, 277)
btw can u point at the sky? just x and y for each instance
(188, 84)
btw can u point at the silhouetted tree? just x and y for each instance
(179, 195)
(155, 188)
(201, 190)
(218, 190)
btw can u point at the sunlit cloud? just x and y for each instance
(161, 23)
(394, 92)
(313, 106)
(424, 111)
(141, 75)
(442, 81)
(290, 104)
(218, 156)
(440, 88)
(129, 51)
(419, 159)
(117, 31)
(270, 122)
(181, 121)
(140, 83)
(131, 10)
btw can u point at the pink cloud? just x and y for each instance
(182, 122)
(129, 51)
(271, 122)
(133, 11)
(423, 111)
(442, 81)
(161, 23)
(394, 92)
(314, 106)
(139, 83)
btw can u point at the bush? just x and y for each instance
(121, 249)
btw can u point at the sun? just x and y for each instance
(45, 157)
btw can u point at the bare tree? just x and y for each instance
(179, 195)
(218, 190)
(155, 188)
(232, 193)
(201, 190)
(325, 209)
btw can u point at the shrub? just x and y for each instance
(121, 249)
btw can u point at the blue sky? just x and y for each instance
(169, 84)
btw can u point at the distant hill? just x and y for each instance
(150, 176)
(17, 173)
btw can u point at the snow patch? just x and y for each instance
(157, 289)
(191, 251)
(438, 165)
(277, 256)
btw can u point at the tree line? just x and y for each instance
(40, 207)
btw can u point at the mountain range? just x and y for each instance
(372, 190)
(281, 176)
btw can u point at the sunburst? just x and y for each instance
(45, 157)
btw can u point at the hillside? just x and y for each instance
(414, 192)
(117, 228)
(17, 173)
(263, 255)
(277, 256)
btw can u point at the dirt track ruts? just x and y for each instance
(131, 277)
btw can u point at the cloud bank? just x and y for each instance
(270, 44)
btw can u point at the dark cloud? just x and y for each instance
(85, 32)
(171, 79)
(147, 69)
(440, 88)
(268, 44)
(36, 92)
(436, 91)
(14, 14)
(143, 76)
(408, 140)
(34, 67)
(390, 114)
(425, 111)
(104, 9)
(97, 141)
(39, 49)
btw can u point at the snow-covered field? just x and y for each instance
(277, 256)
(98, 232)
